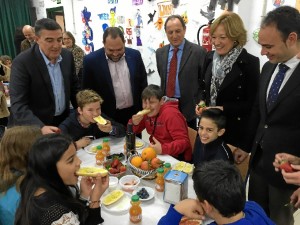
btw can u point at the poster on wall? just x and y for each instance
(142, 22)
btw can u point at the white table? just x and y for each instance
(153, 209)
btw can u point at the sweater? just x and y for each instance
(72, 127)
(214, 150)
(169, 127)
(254, 214)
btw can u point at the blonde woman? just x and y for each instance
(14, 148)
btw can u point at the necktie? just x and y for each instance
(172, 74)
(273, 92)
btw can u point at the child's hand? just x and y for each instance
(137, 118)
(190, 208)
(156, 145)
(83, 142)
(106, 127)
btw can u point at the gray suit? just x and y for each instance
(189, 75)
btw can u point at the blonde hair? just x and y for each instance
(14, 147)
(234, 27)
(87, 96)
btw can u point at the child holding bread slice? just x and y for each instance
(164, 123)
(89, 121)
(49, 192)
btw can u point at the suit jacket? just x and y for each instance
(96, 76)
(189, 75)
(31, 93)
(236, 94)
(277, 129)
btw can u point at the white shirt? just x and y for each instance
(121, 82)
(292, 64)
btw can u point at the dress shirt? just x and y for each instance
(57, 82)
(292, 64)
(179, 55)
(121, 82)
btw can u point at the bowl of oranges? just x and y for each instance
(145, 164)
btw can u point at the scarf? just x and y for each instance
(222, 65)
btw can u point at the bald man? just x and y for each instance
(28, 32)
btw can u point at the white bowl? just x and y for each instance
(113, 183)
(129, 182)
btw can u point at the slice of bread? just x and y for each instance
(91, 172)
(144, 112)
(100, 120)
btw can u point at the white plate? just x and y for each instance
(120, 206)
(141, 143)
(150, 191)
(89, 148)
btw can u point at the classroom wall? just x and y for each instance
(87, 19)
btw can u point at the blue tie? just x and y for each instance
(273, 92)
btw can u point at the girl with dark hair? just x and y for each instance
(49, 192)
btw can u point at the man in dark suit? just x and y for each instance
(275, 122)
(190, 59)
(117, 74)
(43, 81)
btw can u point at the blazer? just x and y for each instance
(277, 129)
(31, 93)
(96, 76)
(189, 75)
(236, 94)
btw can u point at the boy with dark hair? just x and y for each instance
(81, 124)
(209, 144)
(221, 195)
(164, 123)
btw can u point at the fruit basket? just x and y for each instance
(149, 174)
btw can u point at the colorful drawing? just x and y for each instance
(151, 16)
(87, 33)
(138, 36)
(128, 36)
(112, 19)
(185, 17)
(137, 2)
(278, 3)
(159, 23)
(139, 18)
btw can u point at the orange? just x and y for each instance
(148, 153)
(136, 161)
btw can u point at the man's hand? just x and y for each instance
(190, 208)
(295, 198)
(136, 119)
(156, 145)
(287, 157)
(50, 130)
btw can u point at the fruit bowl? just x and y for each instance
(149, 174)
(114, 169)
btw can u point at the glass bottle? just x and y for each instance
(167, 167)
(106, 146)
(135, 211)
(160, 182)
(100, 156)
(130, 141)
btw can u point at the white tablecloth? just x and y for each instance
(153, 209)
